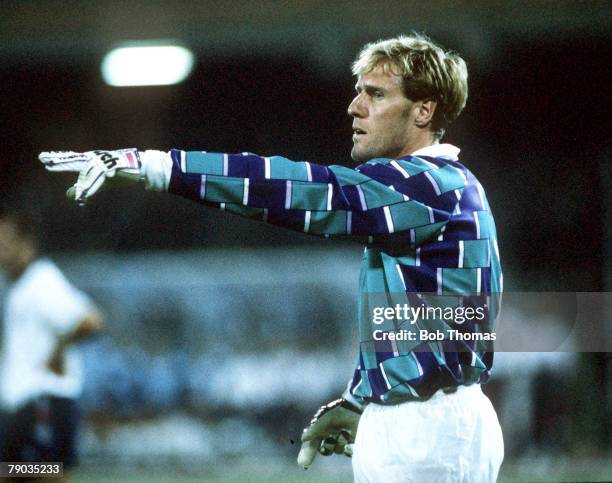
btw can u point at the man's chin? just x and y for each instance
(359, 156)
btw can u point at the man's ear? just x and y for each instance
(425, 112)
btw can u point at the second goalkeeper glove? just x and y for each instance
(332, 430)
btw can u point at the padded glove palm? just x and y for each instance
(94, 167)
(332, 430)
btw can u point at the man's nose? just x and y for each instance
(356, 107)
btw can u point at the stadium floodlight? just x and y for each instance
(139, 64)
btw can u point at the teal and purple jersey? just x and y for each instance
(427, 229)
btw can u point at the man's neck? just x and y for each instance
(423, 143)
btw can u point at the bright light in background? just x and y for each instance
(146, 65)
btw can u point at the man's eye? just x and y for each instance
(378, 95)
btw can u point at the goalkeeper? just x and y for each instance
(414, 410)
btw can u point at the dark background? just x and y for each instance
(274, 78)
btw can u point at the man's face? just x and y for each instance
(12, 247)
(383, 121)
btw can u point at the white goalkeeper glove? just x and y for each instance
(95, 167)
(331, 431)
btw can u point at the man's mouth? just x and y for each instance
(358, 132)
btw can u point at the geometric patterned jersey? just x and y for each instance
(428, 231)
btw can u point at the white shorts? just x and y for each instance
(450, 438)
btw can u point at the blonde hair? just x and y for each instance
(427, 71)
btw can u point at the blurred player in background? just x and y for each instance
(427, 227)
(40, 375)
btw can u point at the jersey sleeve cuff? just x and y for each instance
(156, 168)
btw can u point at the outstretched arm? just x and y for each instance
(322, 200)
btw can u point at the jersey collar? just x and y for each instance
(447, 151)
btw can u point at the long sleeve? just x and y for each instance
(381, 197)
(429, 230)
